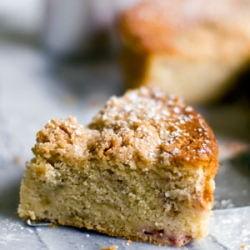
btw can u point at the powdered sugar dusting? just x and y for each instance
(148, 123)
(12, 230)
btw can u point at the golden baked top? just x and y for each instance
(176, 25)
(145, 128)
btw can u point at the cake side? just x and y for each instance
(197, 81)
(143, 169)
(138, 205)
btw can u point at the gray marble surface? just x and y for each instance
(34, 89)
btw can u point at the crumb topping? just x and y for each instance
(152, 126)
(144, 128)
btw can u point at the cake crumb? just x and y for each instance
(243, 246)
(17, 160)
(129, 242)
(109, 248)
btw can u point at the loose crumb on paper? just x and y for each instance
(129, 242)
(109, 248)
(243, 246)
(17, 160)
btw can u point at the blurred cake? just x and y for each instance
(193, 48)
(143, 169)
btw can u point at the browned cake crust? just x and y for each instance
(144, 131)
(161, 26)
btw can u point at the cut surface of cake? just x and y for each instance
(143, 169)
(193, 48)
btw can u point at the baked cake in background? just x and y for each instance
(193, 48)
(143, 169)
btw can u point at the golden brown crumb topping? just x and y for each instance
(153, 126)
(144, 128)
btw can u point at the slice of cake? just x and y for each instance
(143, 169)
(193, 48)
